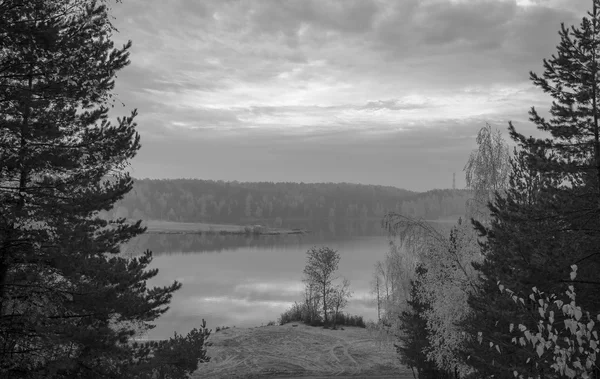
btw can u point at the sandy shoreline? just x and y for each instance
(300, 351)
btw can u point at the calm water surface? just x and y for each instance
(248, 281)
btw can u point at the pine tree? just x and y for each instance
(549, 217)
(69, 303)
(569, 162)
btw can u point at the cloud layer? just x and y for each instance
(270, 80)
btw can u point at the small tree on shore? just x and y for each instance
(320, 268)
(312, 300)
(339, 298)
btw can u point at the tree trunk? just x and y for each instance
(335, 314)
(378, 301)
(325, 303)
(594, 105)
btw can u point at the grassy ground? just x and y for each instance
(300, 351)
(170, 227)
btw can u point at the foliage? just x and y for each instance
(69, 303)
(569, 162)
(487, 170)
(565, 339)
(312, 303)
(295, 313)
(349, 320)
(517, 250)
(445, 284)
(447, 258)
(298, 312)
(549, 218)
(177, 357)
(320, 266)
(413, 334)
(339, 298)
(391, 284)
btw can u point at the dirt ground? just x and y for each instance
(301, 351)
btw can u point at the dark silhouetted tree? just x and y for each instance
(69, 303)
(550, 216)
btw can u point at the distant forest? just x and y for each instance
(193, 200)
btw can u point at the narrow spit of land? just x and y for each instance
(295, 350)
(171, 227)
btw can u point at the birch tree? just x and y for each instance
(321, 265)
(487, 170)
(339, 298)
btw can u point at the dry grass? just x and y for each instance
(300, 351)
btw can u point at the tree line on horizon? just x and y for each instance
(196, 200)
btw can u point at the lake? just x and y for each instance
(247, 281)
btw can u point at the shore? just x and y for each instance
(297, 350)
(171, 227)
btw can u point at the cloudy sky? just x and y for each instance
(387, 92)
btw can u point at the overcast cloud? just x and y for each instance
(365, 91)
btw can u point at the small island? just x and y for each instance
(171, 227)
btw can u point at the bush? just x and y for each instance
(219, 328)
(299, 312)
(566, 340)
(349, 320)
(296, 313)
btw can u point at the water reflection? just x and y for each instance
(252, 285)
(201, 243)
(250, 280)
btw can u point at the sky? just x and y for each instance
(385, 92)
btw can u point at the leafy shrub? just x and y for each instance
(349, 320)
(299, 312)
(566, 340)
(271, 323)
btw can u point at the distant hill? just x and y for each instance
(195, 200)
